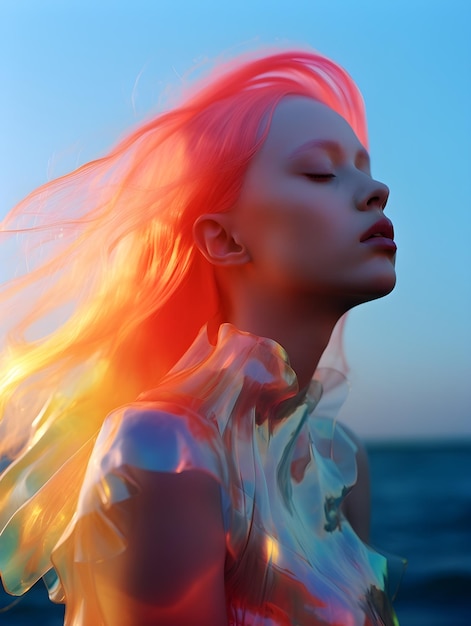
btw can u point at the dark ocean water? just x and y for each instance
(421, 511)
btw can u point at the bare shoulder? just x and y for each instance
(357, 505)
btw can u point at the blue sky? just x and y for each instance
(76, 74)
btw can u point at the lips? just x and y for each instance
(383, 228)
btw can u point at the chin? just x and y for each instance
(378, 288)
(381, 287)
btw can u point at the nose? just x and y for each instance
(373, 196)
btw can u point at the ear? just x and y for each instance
(215, 238)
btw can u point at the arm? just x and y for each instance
(172, 570)
(148, 543)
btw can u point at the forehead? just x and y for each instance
(298, 122)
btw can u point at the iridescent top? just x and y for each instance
(283, 472)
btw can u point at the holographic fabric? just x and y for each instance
(231, 409)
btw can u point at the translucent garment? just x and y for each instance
(232, 410)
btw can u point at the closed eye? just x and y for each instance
(320, 177)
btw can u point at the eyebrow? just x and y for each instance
(330, 146)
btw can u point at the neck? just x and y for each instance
(303, 332)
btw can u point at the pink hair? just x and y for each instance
(115, 290)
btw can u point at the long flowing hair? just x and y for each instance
(109, 288)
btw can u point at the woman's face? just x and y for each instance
(311, 215)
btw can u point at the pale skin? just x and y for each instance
(290, 261)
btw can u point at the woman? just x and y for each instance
(215, 492)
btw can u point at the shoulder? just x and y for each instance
(147, 450)
(160, 437)
(151, 528)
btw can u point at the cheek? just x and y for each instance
(291, 225)
(295, 251)
(305, 232)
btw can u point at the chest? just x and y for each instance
(293, 557)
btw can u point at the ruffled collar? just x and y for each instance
(251, 369)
